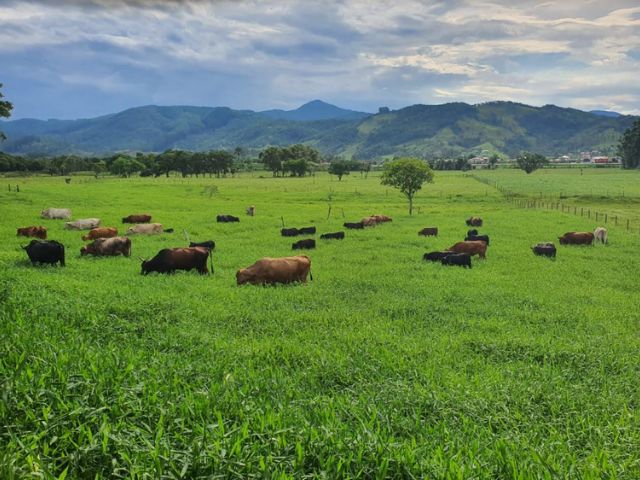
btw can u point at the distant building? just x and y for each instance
(479, 162)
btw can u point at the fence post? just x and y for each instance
(596, 216)
(589, 213)
(627, 224)
(605, 217)
(574, 210)
(616, 220)
(581, 211)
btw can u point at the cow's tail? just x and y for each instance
(310, 275)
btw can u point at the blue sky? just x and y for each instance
(72, 59)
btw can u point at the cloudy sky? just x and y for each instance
(70, 59)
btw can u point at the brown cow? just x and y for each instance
(472, 248)
(382, 218)
(429, 232)
(107, 247)
(33, 231)
(142, 218)
(576, 238)
(276, 270)
(101, 232)
(474, 222)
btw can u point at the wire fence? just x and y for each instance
(599, 216)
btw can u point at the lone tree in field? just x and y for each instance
(629, 147)
(5, 111)
(530, 162)
(407, 175)
(339, 168)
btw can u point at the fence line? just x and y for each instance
(522, 201)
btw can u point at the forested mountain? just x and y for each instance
(427, 131)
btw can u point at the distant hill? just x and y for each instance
(426, 131)
(605, 113)
(316, 110)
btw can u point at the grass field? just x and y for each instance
(382, 366)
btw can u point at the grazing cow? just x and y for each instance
(209, 244)
(168, 260)
(429, 232)
(251, 211)
(334, 236)
(104, 232)
(600, 234)
(45, 251)
(56, 213)
(472, 248)
(457, 259)
(434, 256)
(82, 224)
(226, 219)
(140, 218)
(145, 229)
(276, 270)
(576, 238)
(304, 244)
(472, 232)
(546, 249)
(382, 218)
(479, 238)
(369, 221)
(289, 232)
(33, 231)
(307, 231)
(474, 222)
(105, 247)
(354, 225)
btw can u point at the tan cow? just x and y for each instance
(56, 213)
(108, 247)
(601, 234)
(276, 270)
(104, 232)
(82, 224)
(145, 229)
(33, 231)
(471, 247)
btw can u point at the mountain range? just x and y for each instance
(426, 131)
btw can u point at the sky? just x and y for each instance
(80, 59)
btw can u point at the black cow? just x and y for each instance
(544, 250)
(434, 256)
(289, 232)
(210, 244)
(307, 231)
(458, 259)
(354, 225)
(226, 219)
(304, 244)
(477, 238)
(168, 260)
(472, 232)
(334, 236)
(45, 251)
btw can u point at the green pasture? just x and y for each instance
(382, 367)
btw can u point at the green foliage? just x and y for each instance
(5, 111)
(383, 367)
(340, 168)
(297, 159)
(629, 147)
(530, 162)
(407, 175)
(125, 166)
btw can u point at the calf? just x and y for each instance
(226, 219)
(45, 251)
(354, 225)
(546, 249)
(251, 211)
(304, 244)
(600, 234)
(209, 244)
(289, 232)
(429, 232)
(168, 260)
(334, 236)
(37, 232)
(103, 232)
(472, 232)
(108, 247)
(477, 238)
(434, 256)
(474, 222)
(458, 259)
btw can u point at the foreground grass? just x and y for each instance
(383, 366)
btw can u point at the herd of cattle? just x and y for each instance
(104, 241)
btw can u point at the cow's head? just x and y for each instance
(242, 276)
(83, 251)
(562, 240)
(145, 267)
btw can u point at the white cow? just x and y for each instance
(82, 224)
(56, 213)
(145, 229)
(600, 234)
